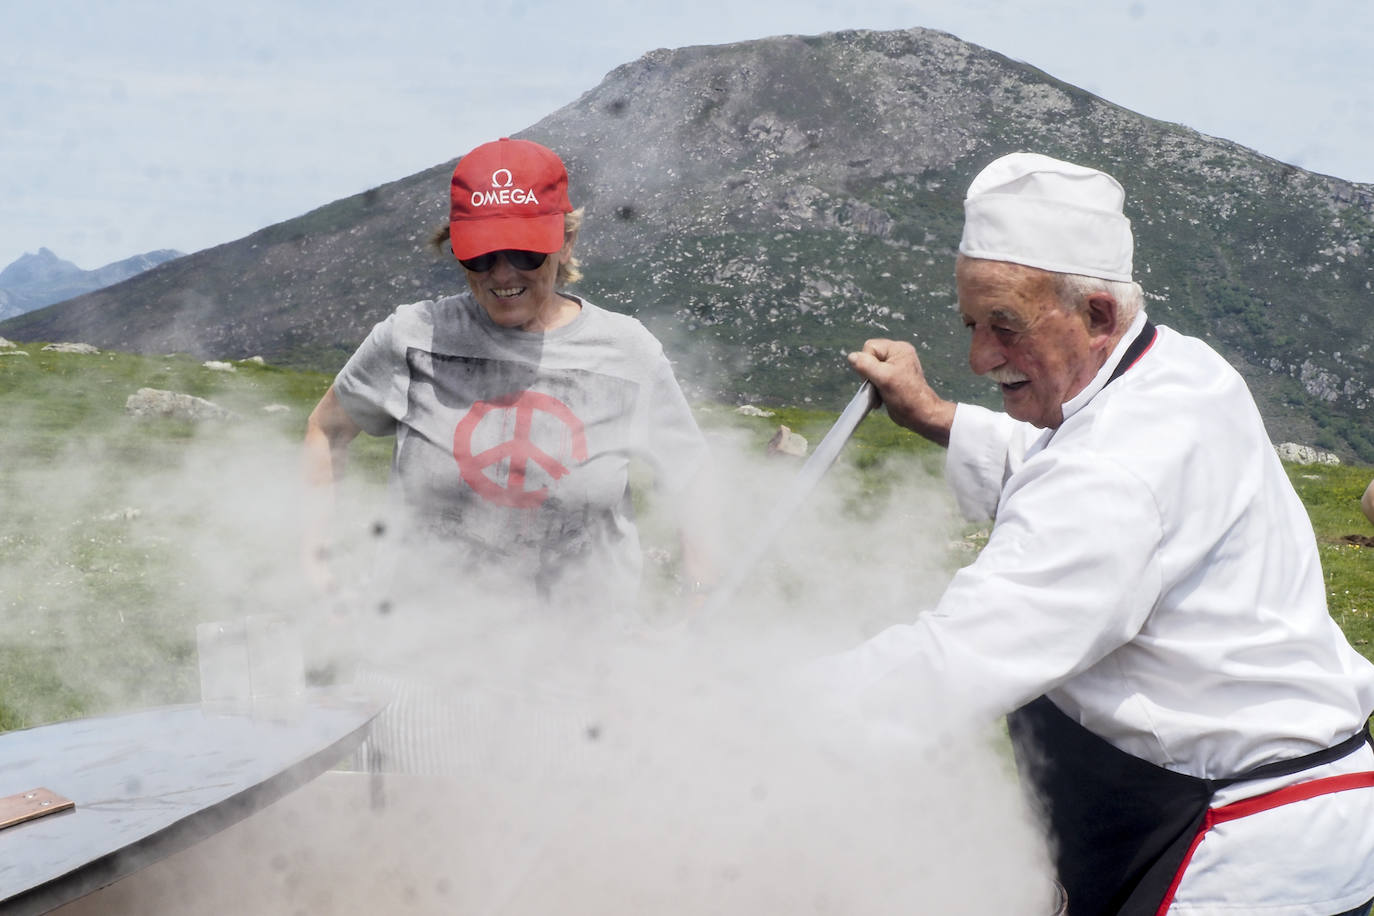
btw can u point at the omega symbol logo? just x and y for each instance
(503, 192)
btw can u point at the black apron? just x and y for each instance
(1121, 826)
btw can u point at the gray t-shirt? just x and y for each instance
(513, 448)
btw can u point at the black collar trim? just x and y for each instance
(1137, 349)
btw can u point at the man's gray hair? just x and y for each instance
(1074, 290)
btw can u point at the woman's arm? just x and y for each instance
(328, 433)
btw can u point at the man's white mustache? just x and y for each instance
(1005, 375)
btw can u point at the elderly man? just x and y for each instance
(1149, 609)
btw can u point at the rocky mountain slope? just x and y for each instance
(36, 280)
(765, 206)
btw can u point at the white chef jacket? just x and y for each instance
(1152, 570)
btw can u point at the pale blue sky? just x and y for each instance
(141, 124)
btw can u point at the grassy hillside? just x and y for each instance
(120, 535)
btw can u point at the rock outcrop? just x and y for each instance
(156, 403)
(1305, 454)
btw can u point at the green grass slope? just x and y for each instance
(119, 535)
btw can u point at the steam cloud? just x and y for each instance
(639, 765)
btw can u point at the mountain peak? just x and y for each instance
(34, 280)
(41, 267)
(766, 206)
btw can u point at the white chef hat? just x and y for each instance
(1034, 210)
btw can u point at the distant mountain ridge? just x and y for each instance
(767, 205)
(36, 280)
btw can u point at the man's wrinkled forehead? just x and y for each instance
(1001, 291)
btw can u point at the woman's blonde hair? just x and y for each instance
(568, 272)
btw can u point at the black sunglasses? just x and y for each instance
(515, 257)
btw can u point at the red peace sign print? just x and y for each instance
(519, 450)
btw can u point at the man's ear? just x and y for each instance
(1101, 316)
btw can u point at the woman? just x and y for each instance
(516, 407)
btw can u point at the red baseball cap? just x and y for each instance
(508, 194)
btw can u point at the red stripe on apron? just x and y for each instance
(1248, 806)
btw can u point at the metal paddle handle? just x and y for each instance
(820, 461)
